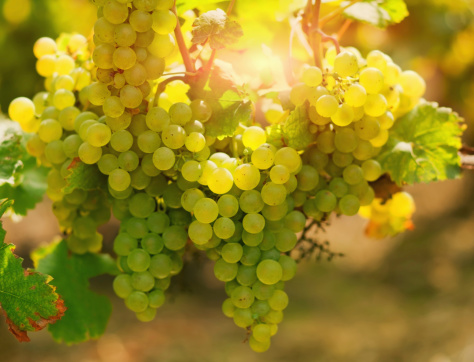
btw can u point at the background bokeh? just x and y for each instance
(410, 298)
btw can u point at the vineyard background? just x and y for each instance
(408, 298)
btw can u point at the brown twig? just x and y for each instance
(467, 157)
(188, 63)
(343, 29)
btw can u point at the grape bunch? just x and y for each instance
(174, 187)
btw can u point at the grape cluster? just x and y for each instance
(391, 217)
(242, 199)
(351, 105)
(53, 116)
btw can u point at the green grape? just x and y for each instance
(164, 158)
(103, 58)
(377, 59)
(363, 151)
(308, 178)
(246, 176)
(218, 158)
(128, 161)
(120, 123)
(359, 189)
(147, 315)
(137, 301)
(327, 105)
(253, 137)
(67, 117)
(50, 130)
(232, 252)
(206, 210)
(228, 205)
(251, 239)
(142, 205)
(225, 271)
(124, 35)
(163, 284)
(224, 228)
(220, 181)
(180, 113)
(273, 194)
(367, 128)
(355, 95)
(174, 136)
(288, 157)
(138, 260)
(366, 198)
(345, 140)
(253, 223)
(179, 217)
(200, 233)
(141, 21)
(122, 285)
(115, 12)
(279, 174)
(386, 120)
(325, 201)
(263, 157)
(381, 139)
(44, 46)
(372, 80)
(158, 222)
(162, 45)
(338, 187)
(247, 275)
(273, 317)
(353, 174)
(152, 243)
(46, 65)
(143, 281)
(113, 107)
(148, 167)
(349, 205)
(243, 317)
(269, 272)
(279, 300)
(285, 240)
(250, 201)
(299, 94)
(343, 116)
(64, 65)
(412, 84)
(98, 134)
(371, 170)
(376, 105)
(251, 255)
(164, 4)
(275, 213)
(341, 159)
(54, 152)
(261, 334)
(147, 5)
(157, 186)
(190, 197)
(119, 180)
(154, 67)
(89, 154)
(148, 141)
(175, 237)
(228, 308)
(242, 296)
(312, 76)
(325, 142)
(195, 142)
(288, 266)
(160, 266)
(202, 111)
(156, 298)
(295, 221)
(130, 96)
(191, 171)
(172, 196)
(121, 141)
(345, 64)
(263, 291)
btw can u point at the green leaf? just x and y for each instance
(28, 301)
(423, 146)
(380, 13)
(5, 204)
(85, 177)
(296, 129)
(216, 27)
(10, 155)
(228, 112)
(275, 135)
(88, 312)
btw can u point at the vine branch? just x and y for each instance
(188, 63)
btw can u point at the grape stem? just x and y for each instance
(325, 37)
(467, 157)
(188, 63)
(344, 28)
(162, 86)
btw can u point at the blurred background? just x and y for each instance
(409, 298)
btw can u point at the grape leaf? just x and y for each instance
(85, 177)
(423, 146)
(275, 135)
(88, 312)
(10, 154)
(227, 114)
(380, 13)
(28, 301)
(296, 129)
(216, 27)
(24, 181)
